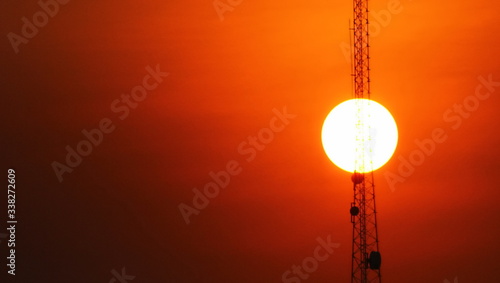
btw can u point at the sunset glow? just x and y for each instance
(359, 135)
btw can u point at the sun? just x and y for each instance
(359, 135)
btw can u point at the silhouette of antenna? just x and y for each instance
(366, 258)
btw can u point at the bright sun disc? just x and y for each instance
(359, 135)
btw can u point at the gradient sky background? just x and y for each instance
(119, 208)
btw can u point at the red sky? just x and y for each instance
(120, 206)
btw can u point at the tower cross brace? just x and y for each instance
(366, 259)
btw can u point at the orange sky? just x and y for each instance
(120, 206)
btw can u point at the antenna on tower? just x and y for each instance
(366, 257)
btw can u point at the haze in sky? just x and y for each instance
(181, 141)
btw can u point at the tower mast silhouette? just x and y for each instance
(366, 259)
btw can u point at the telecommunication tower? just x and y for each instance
(366, 259)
